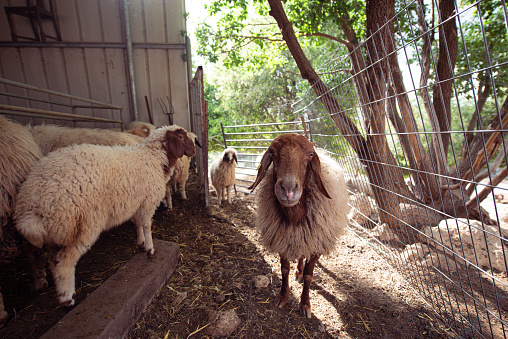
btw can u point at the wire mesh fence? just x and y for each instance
(417, 116)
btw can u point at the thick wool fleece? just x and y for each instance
(18, 152)
(77, 192)
(324, 223)
(53, 137)
(223, 173)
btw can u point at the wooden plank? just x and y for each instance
(127, 294)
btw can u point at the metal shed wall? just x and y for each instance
(92, 60)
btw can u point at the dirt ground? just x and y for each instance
(355, 293)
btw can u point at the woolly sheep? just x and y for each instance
(18, 154)
(222, 173)
(52, 137)
(75, 193)
(180, 176)
(136, 124)
(302, 208)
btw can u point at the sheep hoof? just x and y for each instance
(281, 304)
(305, 311)
(150, 255)
(68, 303)
(141, 248)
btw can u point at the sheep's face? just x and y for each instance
(294, 163)
(177, 144)
(230, 156)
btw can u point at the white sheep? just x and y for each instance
(180, 176)
(302, 208)
(75, 193)
(52, 137)
(18, 154)
(222, 173)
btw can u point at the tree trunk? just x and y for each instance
(442, 89)
(484, 89)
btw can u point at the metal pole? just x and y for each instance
(63, 95)
(53, 113)
(223, 135)
(129, 58)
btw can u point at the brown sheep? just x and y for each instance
(302, 208)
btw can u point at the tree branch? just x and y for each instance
(331, 37)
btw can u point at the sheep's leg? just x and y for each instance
(181, 189)
(62, 262)
(284, 290)
(299, 270)
(143, 221)
(140, 235)
(147, 230)
(36, 260)
(228, 192)
(219, 195)
(308, 272)
(169, 199)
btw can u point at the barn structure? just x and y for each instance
(132, 56)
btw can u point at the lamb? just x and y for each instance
(222, 173)
(52, 137)
(302, 208)
(180, 176)
(136, 125)
(18, 154)
(75, 193)
(140, 130)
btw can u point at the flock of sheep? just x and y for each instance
(62, 187)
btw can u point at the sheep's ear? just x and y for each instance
(315, 169)
(266, 160)
(234, 157)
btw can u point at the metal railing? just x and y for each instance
(53, 114)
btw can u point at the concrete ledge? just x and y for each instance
(113, 308)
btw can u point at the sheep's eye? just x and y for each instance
(270, 151)
(311, 155)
